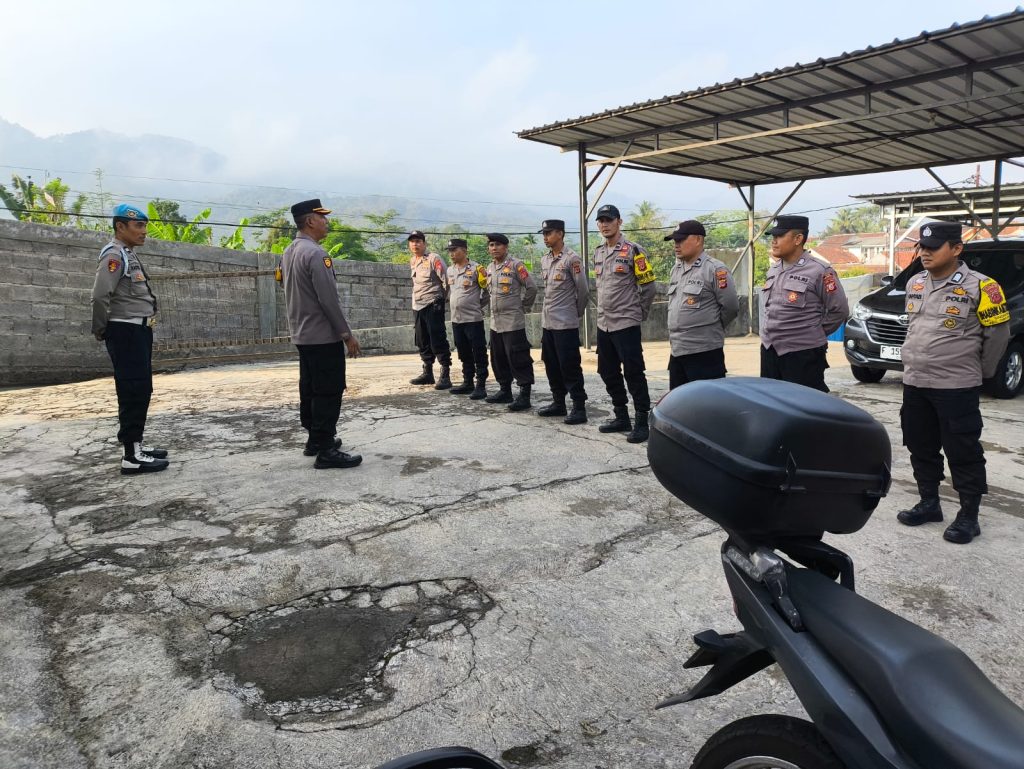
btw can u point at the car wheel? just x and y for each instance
(1009, 374)
(871, 375)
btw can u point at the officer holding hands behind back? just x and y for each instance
(320, 332)
(702, 301)
(512, 295)
(804, 302)
(467, 283)
(958, 331)
(123, 314)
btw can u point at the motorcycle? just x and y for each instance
(778, 465)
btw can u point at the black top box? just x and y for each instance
(769, 460)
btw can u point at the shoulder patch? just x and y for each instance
(577, 268)
(992, 304)
(722, 276)
(830, 282)
(328, 262)
(522, 272)
(113, 265)
(642, 269)
(481, 277)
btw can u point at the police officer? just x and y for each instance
(625, 292)
(123, 314)
(320, 332)
(701, 303)
(429, 294)
(512, 294)
(468, 291)
(566, 290)
(959, 329)
(804, 302)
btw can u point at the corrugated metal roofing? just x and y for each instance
(939, 203)
(950, 96)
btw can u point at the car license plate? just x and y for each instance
(892, 353)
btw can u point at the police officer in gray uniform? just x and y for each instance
(320, 332)
(429, 294)
(959, 329)
(566, 290)
(804, 302)
(625, 292)
(701, 303)
(467, 283)
(123, 314)
(512, 294)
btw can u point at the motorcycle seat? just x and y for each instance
(936, 704)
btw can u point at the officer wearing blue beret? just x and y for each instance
(123, 315)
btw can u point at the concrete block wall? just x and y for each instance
(214, 304)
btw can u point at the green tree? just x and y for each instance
(236, 240)
(645, 226)
(168, 211)
(275, 230)
(189, 232)
(346, 242)
(386, 240)
(29, 202)
(860, 219)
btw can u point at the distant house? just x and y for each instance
(870, 250)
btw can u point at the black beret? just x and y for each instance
(457, 243)
(497, 237)
(552, 224)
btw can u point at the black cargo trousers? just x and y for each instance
(510, 357)
(430, 335)
(130, 346)
(949, 421)
(471, 344)
(620, 362)
(321, 384)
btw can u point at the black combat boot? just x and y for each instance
(444, 381)
(427, 377)
(522, 401)
(578, 415)
(965, 527)
(465, 388)
(619, 423)
(640, 430)
(480, 391)
(927, 510)
(554, 409)
(312, 450)
(504, 395)
(336, 458)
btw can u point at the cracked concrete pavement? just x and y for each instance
(484, 578)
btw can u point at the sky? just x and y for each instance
(423, 98)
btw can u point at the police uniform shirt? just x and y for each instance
(959, 328)
(512, 294)
(566, 289)
(468, 292)
(429, 280)
(311, 294)
(701, 303)
(804, 302)
(121, 290)
(625, 285)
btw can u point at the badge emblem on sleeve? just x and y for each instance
(113, 265)
(327, 262)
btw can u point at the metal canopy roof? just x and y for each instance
(941, 205)
(951, 96)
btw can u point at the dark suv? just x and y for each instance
(874, 335)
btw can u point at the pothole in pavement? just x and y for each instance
(326, 656)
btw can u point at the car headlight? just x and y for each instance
(860, 312)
